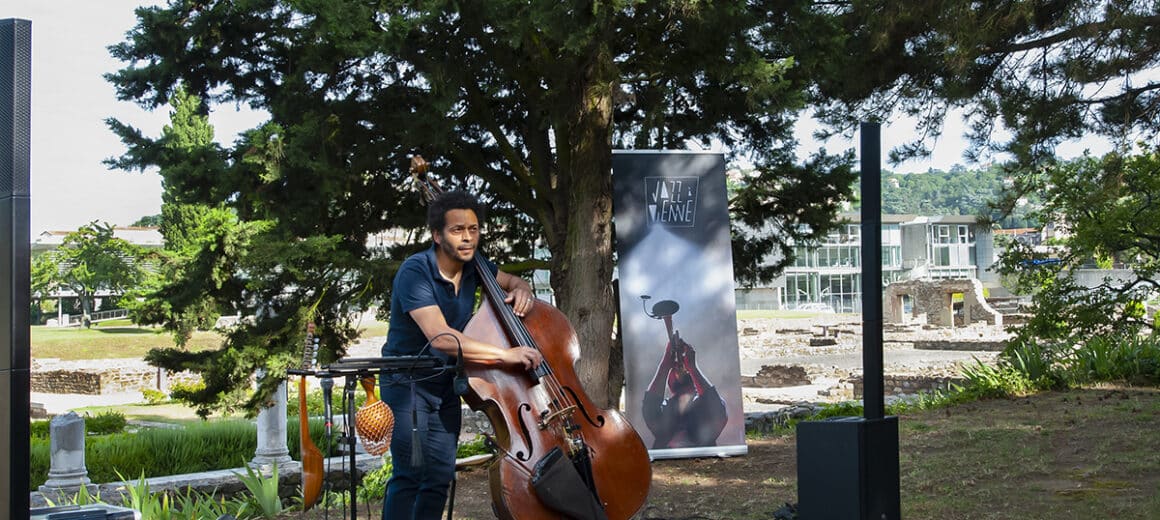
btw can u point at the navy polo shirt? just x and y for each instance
(418, 284)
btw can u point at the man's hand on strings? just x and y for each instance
(526, 358)
(519, 293)
(521, 300)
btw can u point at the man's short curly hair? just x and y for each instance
(447, 201)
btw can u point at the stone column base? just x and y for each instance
(67, 491)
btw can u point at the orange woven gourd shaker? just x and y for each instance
(374, 421)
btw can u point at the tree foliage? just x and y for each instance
(956, 192)
(167, 297)
(89, 260)
(1028, 75)
(521, 102)
(147, 221)
(1042, 71)
(1107, 207)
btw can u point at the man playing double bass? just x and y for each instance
(432, 299)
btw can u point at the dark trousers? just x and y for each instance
(418, 489)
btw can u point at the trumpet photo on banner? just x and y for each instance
(677, 309)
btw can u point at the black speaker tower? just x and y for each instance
(15, 134)
(848, 467)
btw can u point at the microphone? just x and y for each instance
(327, 383)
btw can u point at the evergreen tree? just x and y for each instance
(1043, 71)
(167, 297)
(147, 221)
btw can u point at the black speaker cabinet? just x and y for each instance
(15, 130)
(848, 469)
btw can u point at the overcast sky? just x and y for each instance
(71, 100)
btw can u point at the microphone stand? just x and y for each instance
(348, 428)
(327, 384)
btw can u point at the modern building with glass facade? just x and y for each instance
(829, 273)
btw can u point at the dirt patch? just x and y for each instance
(1077, 454)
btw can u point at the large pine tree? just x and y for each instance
(521, 102)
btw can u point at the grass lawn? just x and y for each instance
(171, 412)
(122, 339)
(1085, 453)
(105, 342)
(1077, 454)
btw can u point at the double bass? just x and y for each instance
(559, 454)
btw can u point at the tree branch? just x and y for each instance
(1089, 30)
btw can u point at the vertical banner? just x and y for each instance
(677, 308)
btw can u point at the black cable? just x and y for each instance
(426, 348)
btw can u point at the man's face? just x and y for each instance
(460, 235)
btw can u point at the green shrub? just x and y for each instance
(1134, 359)
(263, 498)
(105, 423)
(328, 447)
(1038, 364)
(190, 505)
(373, 485)
(986, 382)
(39, 462)
(154, 397)
(80, 498)
(196, 448)
(843, 409)
(314, 401)
(181, 388)
(38, 429)
(194, 505)
(155, 452)
(476, 446)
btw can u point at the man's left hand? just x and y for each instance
(521, 300)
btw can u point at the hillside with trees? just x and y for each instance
(956, 192)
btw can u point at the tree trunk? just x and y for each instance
(583, 284)
(582, 256)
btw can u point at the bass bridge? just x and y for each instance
(546, 419)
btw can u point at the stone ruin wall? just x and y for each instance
(933, 300)
(97, 381)
(903, 384)
(776, 376)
